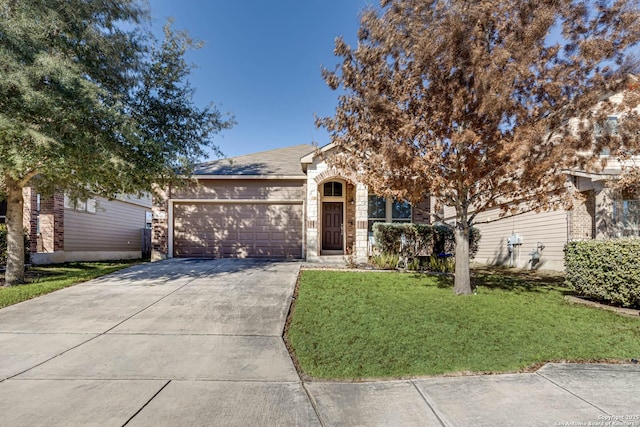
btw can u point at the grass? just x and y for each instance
(45, 279)
(356, 325)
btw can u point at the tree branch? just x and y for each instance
(25, 180)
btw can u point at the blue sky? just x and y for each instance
(261, 62)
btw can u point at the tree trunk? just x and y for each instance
(14, 274)
(462, 281)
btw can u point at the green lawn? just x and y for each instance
(369, 325)
(44, 279)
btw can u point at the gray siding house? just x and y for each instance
(63, 230)
(603, 213)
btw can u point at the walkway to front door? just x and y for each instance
(332, 220)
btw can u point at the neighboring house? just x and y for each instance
(283, 203)
(537, 239)
(64, 230)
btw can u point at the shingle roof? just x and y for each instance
(278, 162)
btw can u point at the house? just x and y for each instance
(537, 239)
(283, 203)
(65, 230)
(288, 203)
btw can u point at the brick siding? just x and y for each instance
(582, 217)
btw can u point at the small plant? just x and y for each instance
(385, 261)
(414, 265)
(350, 258)
(442, 263)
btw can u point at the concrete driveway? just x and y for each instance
(187, 343)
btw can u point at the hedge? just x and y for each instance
(605, 270)
(3, 246)
(425, 239)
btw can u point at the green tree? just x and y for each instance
(92, 103)
(469, 101)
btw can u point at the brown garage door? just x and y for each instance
(243, 230)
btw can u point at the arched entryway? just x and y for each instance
(337, 215)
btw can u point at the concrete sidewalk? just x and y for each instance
(186, 342)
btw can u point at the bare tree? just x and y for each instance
(469, 101)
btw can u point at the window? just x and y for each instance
(609, 127)
(332, 189)
(384, 210)
(377, 211)
(3, 211)
(89, 205)
(400, 211)
(626, 215)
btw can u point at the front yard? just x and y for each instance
(356, 325)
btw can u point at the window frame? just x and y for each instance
(333, 185)
(388, 212)
(625, 217)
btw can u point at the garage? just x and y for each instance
(249, 206)
(237, 230)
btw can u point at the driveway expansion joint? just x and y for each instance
(146, 403)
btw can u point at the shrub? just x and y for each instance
(423, 240)
(445, 240)
(418, 238)
(388, 237)
(606, 270)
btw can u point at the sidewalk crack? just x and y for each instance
(572, 393)
(428, 403)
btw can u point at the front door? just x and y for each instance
(332, 226)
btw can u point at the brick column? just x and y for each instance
(58, 222)
(160, 226)
(350, 220)
(52, 223)
(582, 217)
(30, 218)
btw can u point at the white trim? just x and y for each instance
(260, 177)
(332, 199)
(144, 201)
(303, 246)
(309, 157)
(602, 176)
(242, 201)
